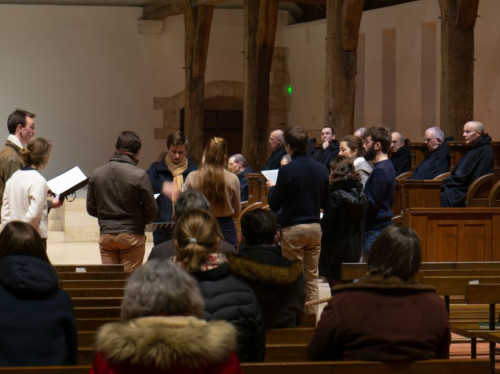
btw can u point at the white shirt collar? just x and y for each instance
(15, 140)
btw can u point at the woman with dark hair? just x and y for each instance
(343, 221)
(221, 188)
(37, 325)
(25, 195)
(196, 237)
(160, 332)
(387, 315)
(352, 146)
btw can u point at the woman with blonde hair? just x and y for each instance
(220, 187)
(352, 146)
(196, 238)
(25, 195)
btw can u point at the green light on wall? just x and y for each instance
(289, 90)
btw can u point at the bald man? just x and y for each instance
(277, 143)
(477, 161)
(400, 153)
(437, 161)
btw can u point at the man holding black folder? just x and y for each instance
(120, 196)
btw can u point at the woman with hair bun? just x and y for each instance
(37, 325)
(352, 146)
(25, 195)
(220, 187)
(196, 237)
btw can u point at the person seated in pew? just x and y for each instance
(187, 201)
(400, 153)
(237, 165)
(474, 163)
(387, 315)
(437, 161)
(37, 324)
(227, 297)
(277, 282)
(329, 147)
(161, 331)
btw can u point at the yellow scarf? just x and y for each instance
(176, 170)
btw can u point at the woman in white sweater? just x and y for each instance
(25, 196)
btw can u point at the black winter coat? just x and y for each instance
(343, 226)
(37, 325)
(277, 282)
(230, 299)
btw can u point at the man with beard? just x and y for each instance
(474, 163)
(379, 188)
(330, 147)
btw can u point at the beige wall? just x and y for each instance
(88, 73)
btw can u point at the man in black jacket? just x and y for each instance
(437, 161)
(474, 163)
(400, 153)
(330, 147)
(277, 143)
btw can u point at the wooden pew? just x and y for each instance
(479, 190)
(83, 284)
(294, 335)
(360, 367)
(456, 234)
(356, 270)
(93, 268)
(102, 276)
(257, 189)
(80, 369)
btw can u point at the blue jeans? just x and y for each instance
(369, 238)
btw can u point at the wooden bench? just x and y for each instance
(356, 270)
(80, 369)
(85, 284)
(360, 367)
(292, 335)
(92, 268)
(456, 234)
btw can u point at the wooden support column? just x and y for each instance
(457, 64)
(343, 20)
(197, 23)
(260, 30)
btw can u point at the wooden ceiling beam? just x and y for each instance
(173, 8)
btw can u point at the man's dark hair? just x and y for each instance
(18, 117)
(396, 252)
(296, 138)
(189, 200)
(329, 127)
(382, 135)
(177, 138)
(128, 141)
(259, 227)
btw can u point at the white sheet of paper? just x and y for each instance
(66, 180)
(271, 175)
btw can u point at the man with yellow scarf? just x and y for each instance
(167, 177)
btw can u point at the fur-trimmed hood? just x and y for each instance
(166, 342)
(258, 271)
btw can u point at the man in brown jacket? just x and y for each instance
(21, 126)
(120, 196)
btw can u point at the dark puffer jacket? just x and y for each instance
(230, 299)
(37, 325)
(277, 282)
(343, 226)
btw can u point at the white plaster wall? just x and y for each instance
(88, 74)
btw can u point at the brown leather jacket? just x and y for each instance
(120, 196)
(10, 162)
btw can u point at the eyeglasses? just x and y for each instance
(427, 140)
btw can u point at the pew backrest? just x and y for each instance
(479, 190)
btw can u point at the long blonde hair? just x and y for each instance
(197, 234)
(211, 174)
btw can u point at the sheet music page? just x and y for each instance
(65, 181)
(271, 175)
